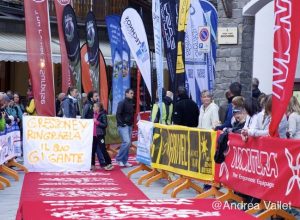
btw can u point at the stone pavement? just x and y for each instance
(9, 198)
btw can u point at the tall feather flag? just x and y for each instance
(72, 42)
(158, 50)
(39, 56)
(285, 54)
(184, 6)
(92, 43)
(65, 69)
(134, 32)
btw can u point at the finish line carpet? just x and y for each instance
(104, 195)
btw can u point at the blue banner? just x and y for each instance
(169, 15)
(211, 20)
(115, 38)
(200, 48)
(126, 64)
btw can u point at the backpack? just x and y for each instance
(221, 148)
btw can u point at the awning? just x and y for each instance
(13, 49)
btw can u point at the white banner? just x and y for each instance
(10, 143)
(195, 60)
(158, 51)
(57, 144)
(145, 133)
(134, 32)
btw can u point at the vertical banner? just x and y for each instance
(39, 55)
(134, 32)
(145, 132)
(211, 22)
(85, 70)
(199, 57)
(115, 39)
(286, 47)
(158, 50)
(125, 64)
(72, 42)
(65, 69)
(169, 13)
(92, 42)
(103, 82)
(184, 6)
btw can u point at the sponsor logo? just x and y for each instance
(281, 54)
(295, 170)
(254, 161)
(69, 28)
(90, 33)
(63, 2)
(167, 26)
(142, 52)
(131, 31)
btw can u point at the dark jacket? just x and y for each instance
(102, 123)
(70, 108)
(125, 113)
(186, 112)
(228, 117)
(88, 110)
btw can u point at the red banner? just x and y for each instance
(65, 70)
(286, 45)
(266, 168)
(103, 84)
(39, 55)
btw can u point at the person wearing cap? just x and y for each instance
(235, 89)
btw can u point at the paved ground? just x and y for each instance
(9, 198)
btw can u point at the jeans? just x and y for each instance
(96, 149)
(125, 134)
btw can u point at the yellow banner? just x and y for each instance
(184, 6)
(185, 151)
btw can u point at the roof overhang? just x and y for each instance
(13, 48)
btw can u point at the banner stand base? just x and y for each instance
(161, 175)
(229, 195)
(186, 185)
(141, 167)
(10, 172)
(13, 163)
(147, 176)
(173, 184)
(212, 192)
(269, 212)
(4, 180)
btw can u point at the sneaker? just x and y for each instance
(109, 167)
(93, 168)
(120, 163)
(128, 164)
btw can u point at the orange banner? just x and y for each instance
(86, 80)
(103, 84)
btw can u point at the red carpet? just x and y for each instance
(128, 209)
(112, 185)
(105, 195)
